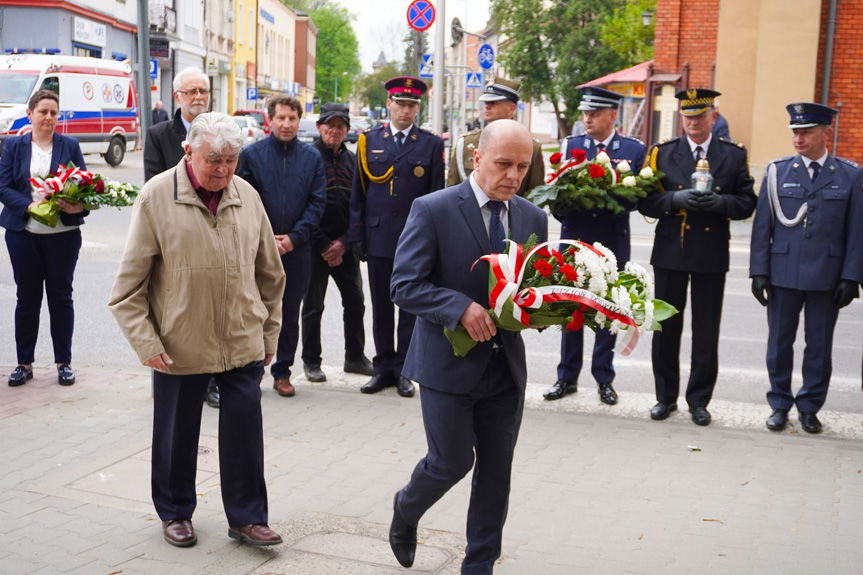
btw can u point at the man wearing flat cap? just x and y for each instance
(806, 254)
(396, 163)
(500, 101)
(599, 113)
(330, 254)
(691, 246)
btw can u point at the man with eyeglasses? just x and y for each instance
(396, 164)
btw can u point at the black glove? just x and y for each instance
(845, 292)
(359, 251)
(710, 201)
(761, 288)
(685, 199)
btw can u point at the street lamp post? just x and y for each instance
(336, 95)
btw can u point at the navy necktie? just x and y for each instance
(816, 167)
(600, 148)
(400, 137)
(699, 153)
(496, 233)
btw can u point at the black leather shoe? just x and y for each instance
(20, 375)
(361, 366)
(405, 387)
(403, 537)
(65, 375)
(777, 420)
(378, 382)
(560, 388)
(607, 394)
(810, 422)
(700, 415)
(662, 410)
(179, 532)
(314, 373)
(213, 397)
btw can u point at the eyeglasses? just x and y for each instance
(195, 92)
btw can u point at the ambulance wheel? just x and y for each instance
(116, 151)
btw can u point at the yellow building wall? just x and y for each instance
(245, 41)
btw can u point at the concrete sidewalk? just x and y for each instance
(596, 490)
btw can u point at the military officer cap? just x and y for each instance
(333, 110)
(500, 89)
(593, 98)
(405, 89)
(696, 101)
(809, 114)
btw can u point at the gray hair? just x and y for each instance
(190, 71)
(220, 130)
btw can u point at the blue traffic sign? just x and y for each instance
(474, 80)
(154, 69)
(426, 68)
(421, 15)
(486, 57)
(251, 93)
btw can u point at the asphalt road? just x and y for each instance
(742, 376)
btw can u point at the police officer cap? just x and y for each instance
(405, 89)
(696, 101)
(333, 110)
(809, 114)
(593, 98)
(500, 89)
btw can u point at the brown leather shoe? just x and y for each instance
(179, 532)
(283, 386)
(255, 535)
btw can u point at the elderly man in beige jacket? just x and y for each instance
(198, 295)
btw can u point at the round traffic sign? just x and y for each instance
(421, 15)
(486, 57)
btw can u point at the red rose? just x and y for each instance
(570, 273)
(571, 250)
(544, 268)
(543, 252)
(577, 322)
(596, 171)
(99, 187)
(558, 256)
(555, 158)
(578, 155)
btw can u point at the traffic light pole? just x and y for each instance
(440, 65)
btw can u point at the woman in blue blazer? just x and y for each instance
(43, 258)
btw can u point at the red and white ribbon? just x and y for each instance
(55, 184)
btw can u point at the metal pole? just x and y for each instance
(336, 95)
(144, 115)
(439, 67)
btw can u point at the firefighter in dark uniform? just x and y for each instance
(599, 113)
(806, 254)
(500, 102)
(691, 244)
(395, 164)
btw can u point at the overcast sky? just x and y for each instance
(380, 25)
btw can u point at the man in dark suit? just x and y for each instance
(599, 112)
(807, 252)
(159, 113)
(396, 163)
(691, 243)
(470, 404)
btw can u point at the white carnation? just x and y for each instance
(646, 172)
(629, 182)
(623, 168)
(602, 158)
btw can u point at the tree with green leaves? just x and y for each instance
(625, 32)
(337, 54)
(551, 48)
(371, 86)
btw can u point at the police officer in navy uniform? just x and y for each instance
(395, 164)
(806, 253)
(599, 113)
(691, 244)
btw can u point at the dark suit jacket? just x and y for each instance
(697, 241)
(379, 211)
(432, 279)
(15, 178)
(829, 248)
(160, 115)
(163, 147)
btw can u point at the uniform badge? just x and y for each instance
(798, 108)
(692, 93)
(794, 165)
(616, 145)
(471, 147)
(414, 137)
(377, 151)
(419, 171)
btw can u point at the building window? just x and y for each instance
(79, 49)
(251, 28)
(240, 29)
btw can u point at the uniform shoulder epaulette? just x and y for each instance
(785, 159)
(636, 140)
(665, 142)
(425, 131)
(581, 135)
(845, 161)
(729, 142)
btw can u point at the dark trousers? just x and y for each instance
(707, 292)
(350, 284)
(388, 358)
(44, 262)
(783, 314)
(572, 353)
(297, 265)
(485, 422)
(177, 406)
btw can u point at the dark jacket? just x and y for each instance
(163, 147)
(290, 178)
(337, 214)
(159, 115)
(15, 178)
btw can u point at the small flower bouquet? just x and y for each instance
(582, 185)
(76, 185)
(535, 285)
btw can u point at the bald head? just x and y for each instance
(502, 158)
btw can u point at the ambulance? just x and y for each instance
(98, 102)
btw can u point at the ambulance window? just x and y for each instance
(51, 83)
